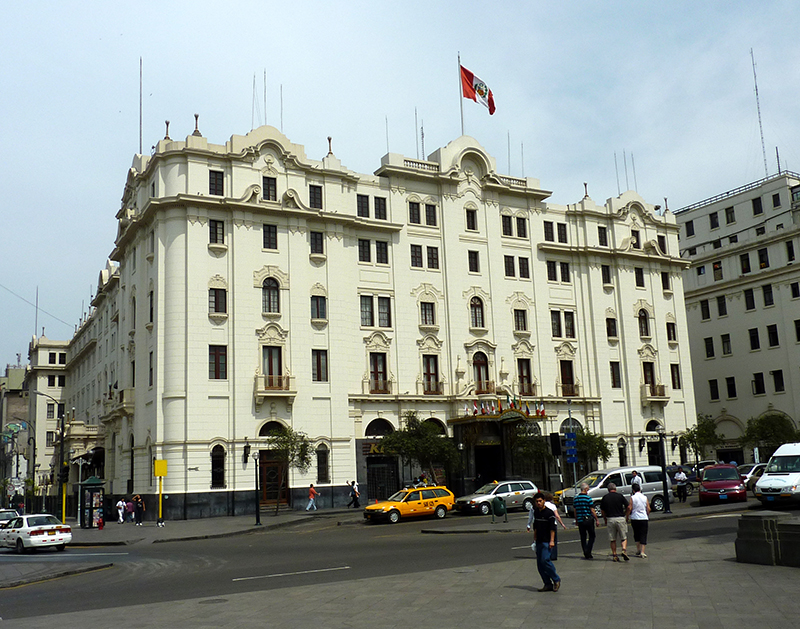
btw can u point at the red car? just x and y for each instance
(721, 483)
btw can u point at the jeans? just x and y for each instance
(312, 502)
(545, 566)
(586, 529)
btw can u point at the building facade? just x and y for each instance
(743, 305)
(252, 287)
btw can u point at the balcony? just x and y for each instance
(527, 389)
(484, 387)
(123, 401)
(569, 390)
(654, 393)
(380, 386)
(268, 386)
(432, 387)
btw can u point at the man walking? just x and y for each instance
(615, 509)
(312, 498)
(121, 510)
(543, 521)
(354, 495)
(681, 479)
(586, 519)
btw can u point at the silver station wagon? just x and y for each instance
(517, 494)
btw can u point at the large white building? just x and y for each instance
(253, 287)
(743, 304)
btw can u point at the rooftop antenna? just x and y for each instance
(758, 108)
(416, 128)
(616, 168)
(633, 165)
(508, 142)
(253, 105)
(140, 105)
(522, 158)
(625, 164)
(778, 157)
(387, 133)
(281, 107)
(422, 136)
(265, 96)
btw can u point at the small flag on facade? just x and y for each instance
(527, 409)
(475, 89)
(474, 407)
(509, 404)
(466, 409)
(499, 405)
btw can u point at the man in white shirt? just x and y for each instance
(680, 479)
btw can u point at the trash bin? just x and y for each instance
(91, 502)
(499, 508)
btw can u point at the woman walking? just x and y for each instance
(640, 510)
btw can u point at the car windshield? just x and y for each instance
(398, 497)
(43, 520)
(486, 489)
(593, 480)
(746, 468)
(720, 473)
(783, 464)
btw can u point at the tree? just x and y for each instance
(292, 449)
(591, 446)
(769, 431)
(422, 443)
(701, 436)
(528, 447)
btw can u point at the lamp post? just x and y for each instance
(257, 502)
(662, 443)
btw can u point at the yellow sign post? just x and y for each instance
(160, 470)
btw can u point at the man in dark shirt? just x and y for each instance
(615, 509)
(543, 521)
(586, 519)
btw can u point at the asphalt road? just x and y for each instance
(313, 552)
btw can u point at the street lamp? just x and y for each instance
(662, 446)
(257, 501)
(60, 476)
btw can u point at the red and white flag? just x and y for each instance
(475, 89)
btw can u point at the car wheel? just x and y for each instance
(528, 504)
(485, 509)
(394, 517)
(657, 503)
(61, 547)
(598, 511)
(440, 512)
(20, 547)
(689, 489)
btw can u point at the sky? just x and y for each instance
(667, 87)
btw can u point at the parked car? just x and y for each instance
(697, 470)
(40, 530)
(7, 514)
(517, 494)
(412, 503)
(750, 473)
(721, 483)
(780, 481)
(598, 481)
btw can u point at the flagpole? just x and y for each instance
(460, 94)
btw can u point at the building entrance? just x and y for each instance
(271, 477)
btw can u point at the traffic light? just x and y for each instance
(555, 443)
(64, 476)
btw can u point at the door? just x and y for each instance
(567, 379)
(382, 477)
(378, 374)
(273, 368)
(480, 367)
(412, 505)
(271, 477)
(649, 377)
(430, 373)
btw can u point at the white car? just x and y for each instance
(35, 531)
(516, 494)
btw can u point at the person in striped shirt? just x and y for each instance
(586, 519)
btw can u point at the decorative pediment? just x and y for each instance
(251, 194)
(647, 352)
(217, 281)
(429, 343)
(519, 300)
(377, 342)
(475, 291)
(565, 351)
(272, 334)
(427, 290)
(643, 305)
(611, 313)
(270, 270)
(479, 345)
(522, 349)
(318, 290)
(670, 318)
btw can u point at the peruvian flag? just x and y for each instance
(475, 89)
(474, 407)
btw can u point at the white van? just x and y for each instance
(780, 482)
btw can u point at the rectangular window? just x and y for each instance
(552, 271)
(561, 230)
(413, 213)
(379, 381)
(150, 371)
(384, 312)
(636, 241)
(526, 386)
(760, 231)
(216, 183)
(430, 374)
(789, 251)
(605, 272)
(672, 331)
(555, 323)
(364, 250)
(713, 220)
(62, 381)
(726, 344)
(730, 385)
(524, 268)
(51, 410)
(433, 257)
(62, 358)
(639, 275)
(717, 244)
(217, 362)
(777, 380)
(50, 438)
(522, 227)
(430, 215)
(270, 186)
(675, 373)
(744, 260)
(427, 313)
(506, 223)
(317, 242)
(521, 320)
(474, 262)
(665, 285)
(569, 325)
(616, 375)
(611, 327)
(733, 239)
(701, 270)
(795, 288)
(749, 299)
(689, 228)
(216, 232)
(319, 307)
(510, 266)
(730, 215)
(51, 381)
(602, 236)
(713, 389)
(362, 205)
(797, 330)
(717, 267)
(151, 303)
(755, 343)
(662, 243)
(564, 272)
(722, 305)
(315, 197)
(769, 299)
(319, 365)
(381, 252)
(757, 208)
(380, 208)
(416, 256)
(763, 259)
(52, 358)
(758, 384)
(772, 335)
(549, 235)
(367, 313)
(270, 236)
(776, 200)
(472, 220)
(709, 342)
(217, 300)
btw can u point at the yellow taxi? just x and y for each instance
(412, 502)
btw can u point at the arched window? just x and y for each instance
(480, 369)
(622, 450)
(644, 323)
(436, 426)
(569, 425)
(218, 467)
(270, 428)
(323, 464)
(652, 426)
(378, 428)
(270, 296)
(476, 312)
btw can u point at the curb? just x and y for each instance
(54, 575)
